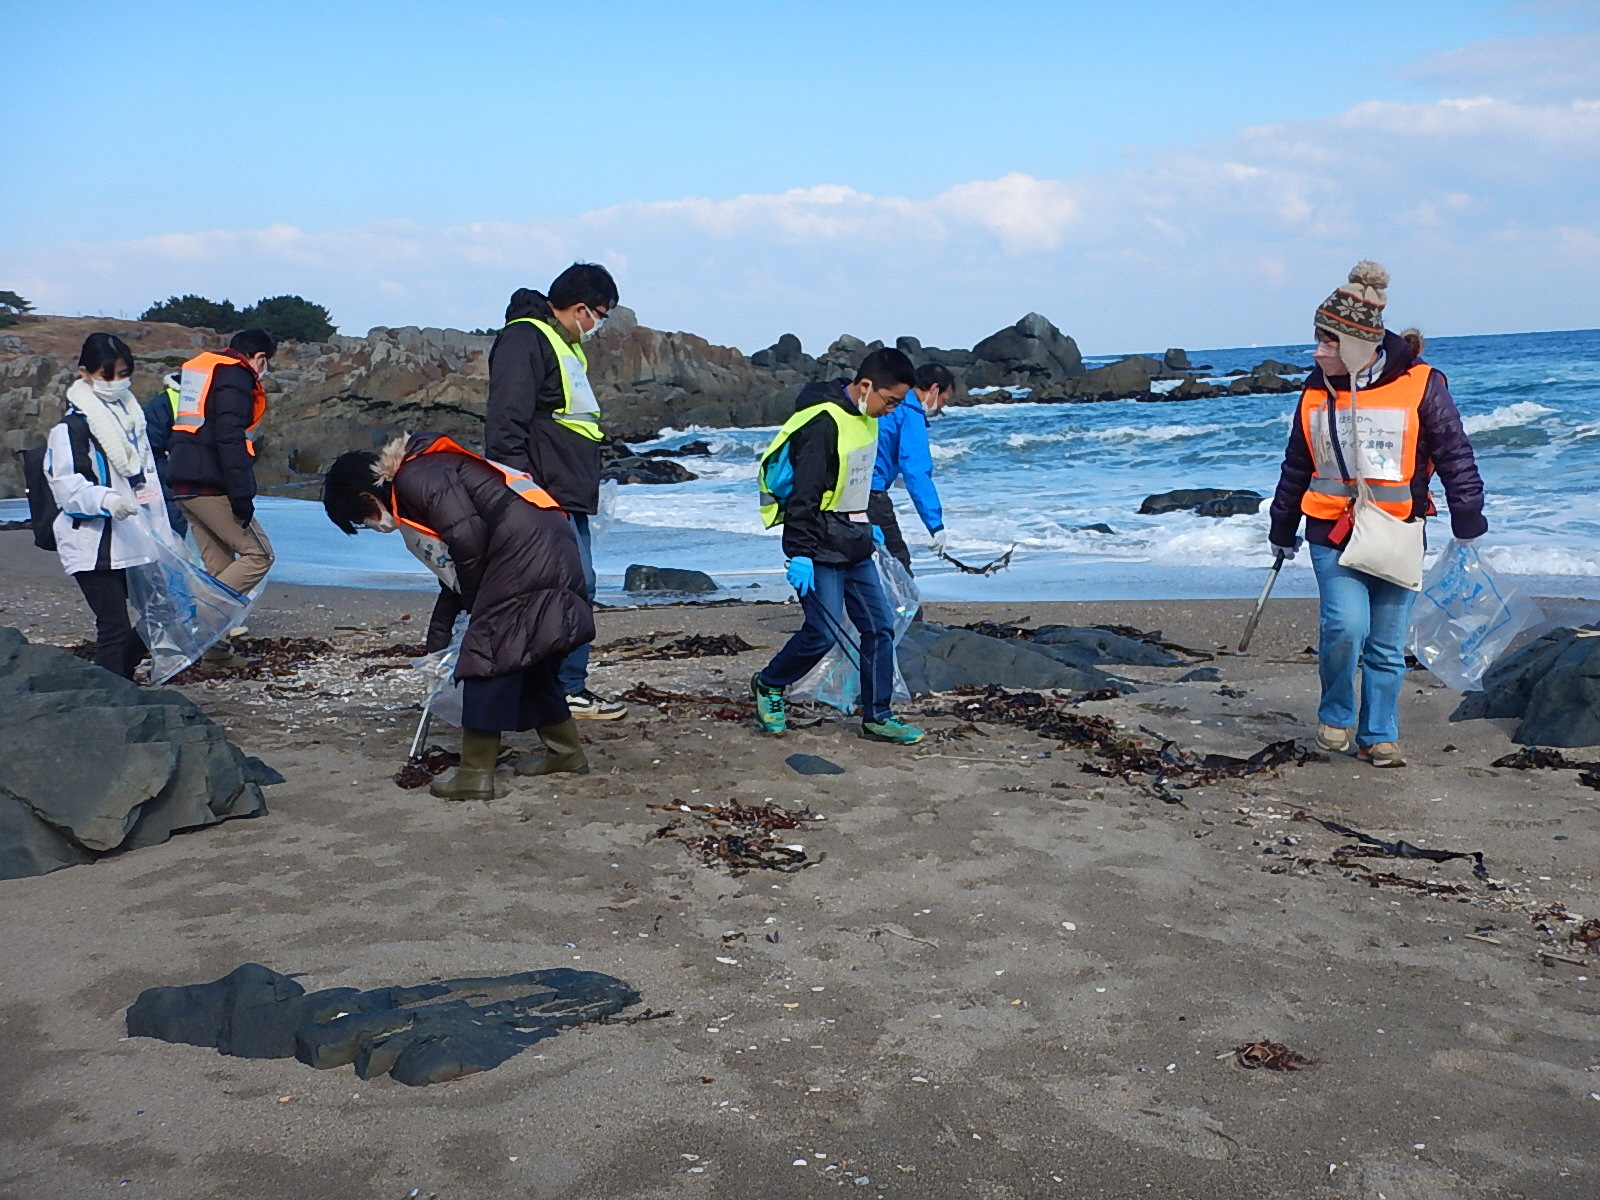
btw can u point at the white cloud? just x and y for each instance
(1541, 66)
(1212, 245)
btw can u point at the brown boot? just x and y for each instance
(474, 778)
(563, 751)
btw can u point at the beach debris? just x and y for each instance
(1273, 1056)
(420, 1034)
(1116, 754)
(813, 764)
(397, 650)
(1542, 758)
(273, 657)
(424, 767)
(705, 704)
(695, 645)
(740, 837)
(1378, 848)
(989, 568)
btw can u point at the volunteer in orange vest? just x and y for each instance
(1370, 405)
(504, 550)
(211, 463)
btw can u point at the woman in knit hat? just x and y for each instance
(1370, 405)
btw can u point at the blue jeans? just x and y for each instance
(1361, 621)
(573, 672)
(840, 589)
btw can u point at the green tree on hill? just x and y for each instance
(12, 306)
(290, 318)
(196, 312)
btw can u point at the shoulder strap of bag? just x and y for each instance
(1362, 490)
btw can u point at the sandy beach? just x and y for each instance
(1004, 977)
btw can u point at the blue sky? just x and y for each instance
(1145, 174)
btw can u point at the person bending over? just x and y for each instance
(824, 455)
(501, 544)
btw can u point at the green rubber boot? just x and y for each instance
(474, 778)
(563, 751)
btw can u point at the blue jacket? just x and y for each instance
(903, 450)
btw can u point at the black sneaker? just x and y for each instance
(586, 706)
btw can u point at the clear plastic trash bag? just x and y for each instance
(1465, 617)
(438, 670)
(182, 611)
(605, 514)
(836, 680)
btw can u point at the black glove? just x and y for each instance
(244, 510)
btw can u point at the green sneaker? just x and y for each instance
(771, 709)
(891, 729)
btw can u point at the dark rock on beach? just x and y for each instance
(640, 578)
(1235, 505)
(92, 764)
(936, 658)
(1205, 502)
(1552, 684)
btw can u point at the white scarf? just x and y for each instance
(117, 425)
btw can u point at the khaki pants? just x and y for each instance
(237, 556)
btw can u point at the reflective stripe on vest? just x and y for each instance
(857, 444)
(580, 410)
(1383, 449)
(172, 398)
(195, 389)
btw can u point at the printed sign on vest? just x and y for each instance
(1380, 434)
(433, 554)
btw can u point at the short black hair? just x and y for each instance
(886, 367)
(350, 475)
(584, 283)
(251, 342)
(102, 353)
(935, 375)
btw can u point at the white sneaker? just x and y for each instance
(586, 706)
(1331, 737)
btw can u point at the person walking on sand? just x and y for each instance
(211, 464)
(815, 479)
(1373, 402)
(543, 418)
(903, 452)
(102, 472)
(501, 544)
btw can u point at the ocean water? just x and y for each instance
(1033, 476)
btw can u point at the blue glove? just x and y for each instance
(877, 535)
(802, 575)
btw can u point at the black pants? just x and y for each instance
(117, 645)
(880, 511)
(527, 699)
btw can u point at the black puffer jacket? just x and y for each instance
(217, 460)
(519, 428)
(517, 564)
(1442, 446)
(826, 538)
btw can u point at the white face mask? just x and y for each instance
(599, 324)
(384, 524)
(111, 389)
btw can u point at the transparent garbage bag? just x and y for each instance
(438, 671)
(836, 680)
(605, 515)
(182, 611)
(1465, 617)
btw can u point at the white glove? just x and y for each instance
(936, 541)
(119, 506)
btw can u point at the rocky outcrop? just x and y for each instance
(1552, 685)
(356, 392)
(641, 578)
(1203, 502)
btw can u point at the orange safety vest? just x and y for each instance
(519, 482)
(1384, 445)
(195, 387)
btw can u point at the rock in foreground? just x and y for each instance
(1552, 684)
(91, 763)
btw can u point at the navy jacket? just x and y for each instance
(217, 461)
(1442, 446)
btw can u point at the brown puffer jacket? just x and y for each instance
(517, 563)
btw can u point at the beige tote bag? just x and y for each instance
(1380, 543)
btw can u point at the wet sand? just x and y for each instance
(1005, 978)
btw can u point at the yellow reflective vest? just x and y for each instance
(580, 410)
(858, 451)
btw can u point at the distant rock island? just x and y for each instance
(355, 392)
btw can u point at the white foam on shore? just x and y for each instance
(1506, 416)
